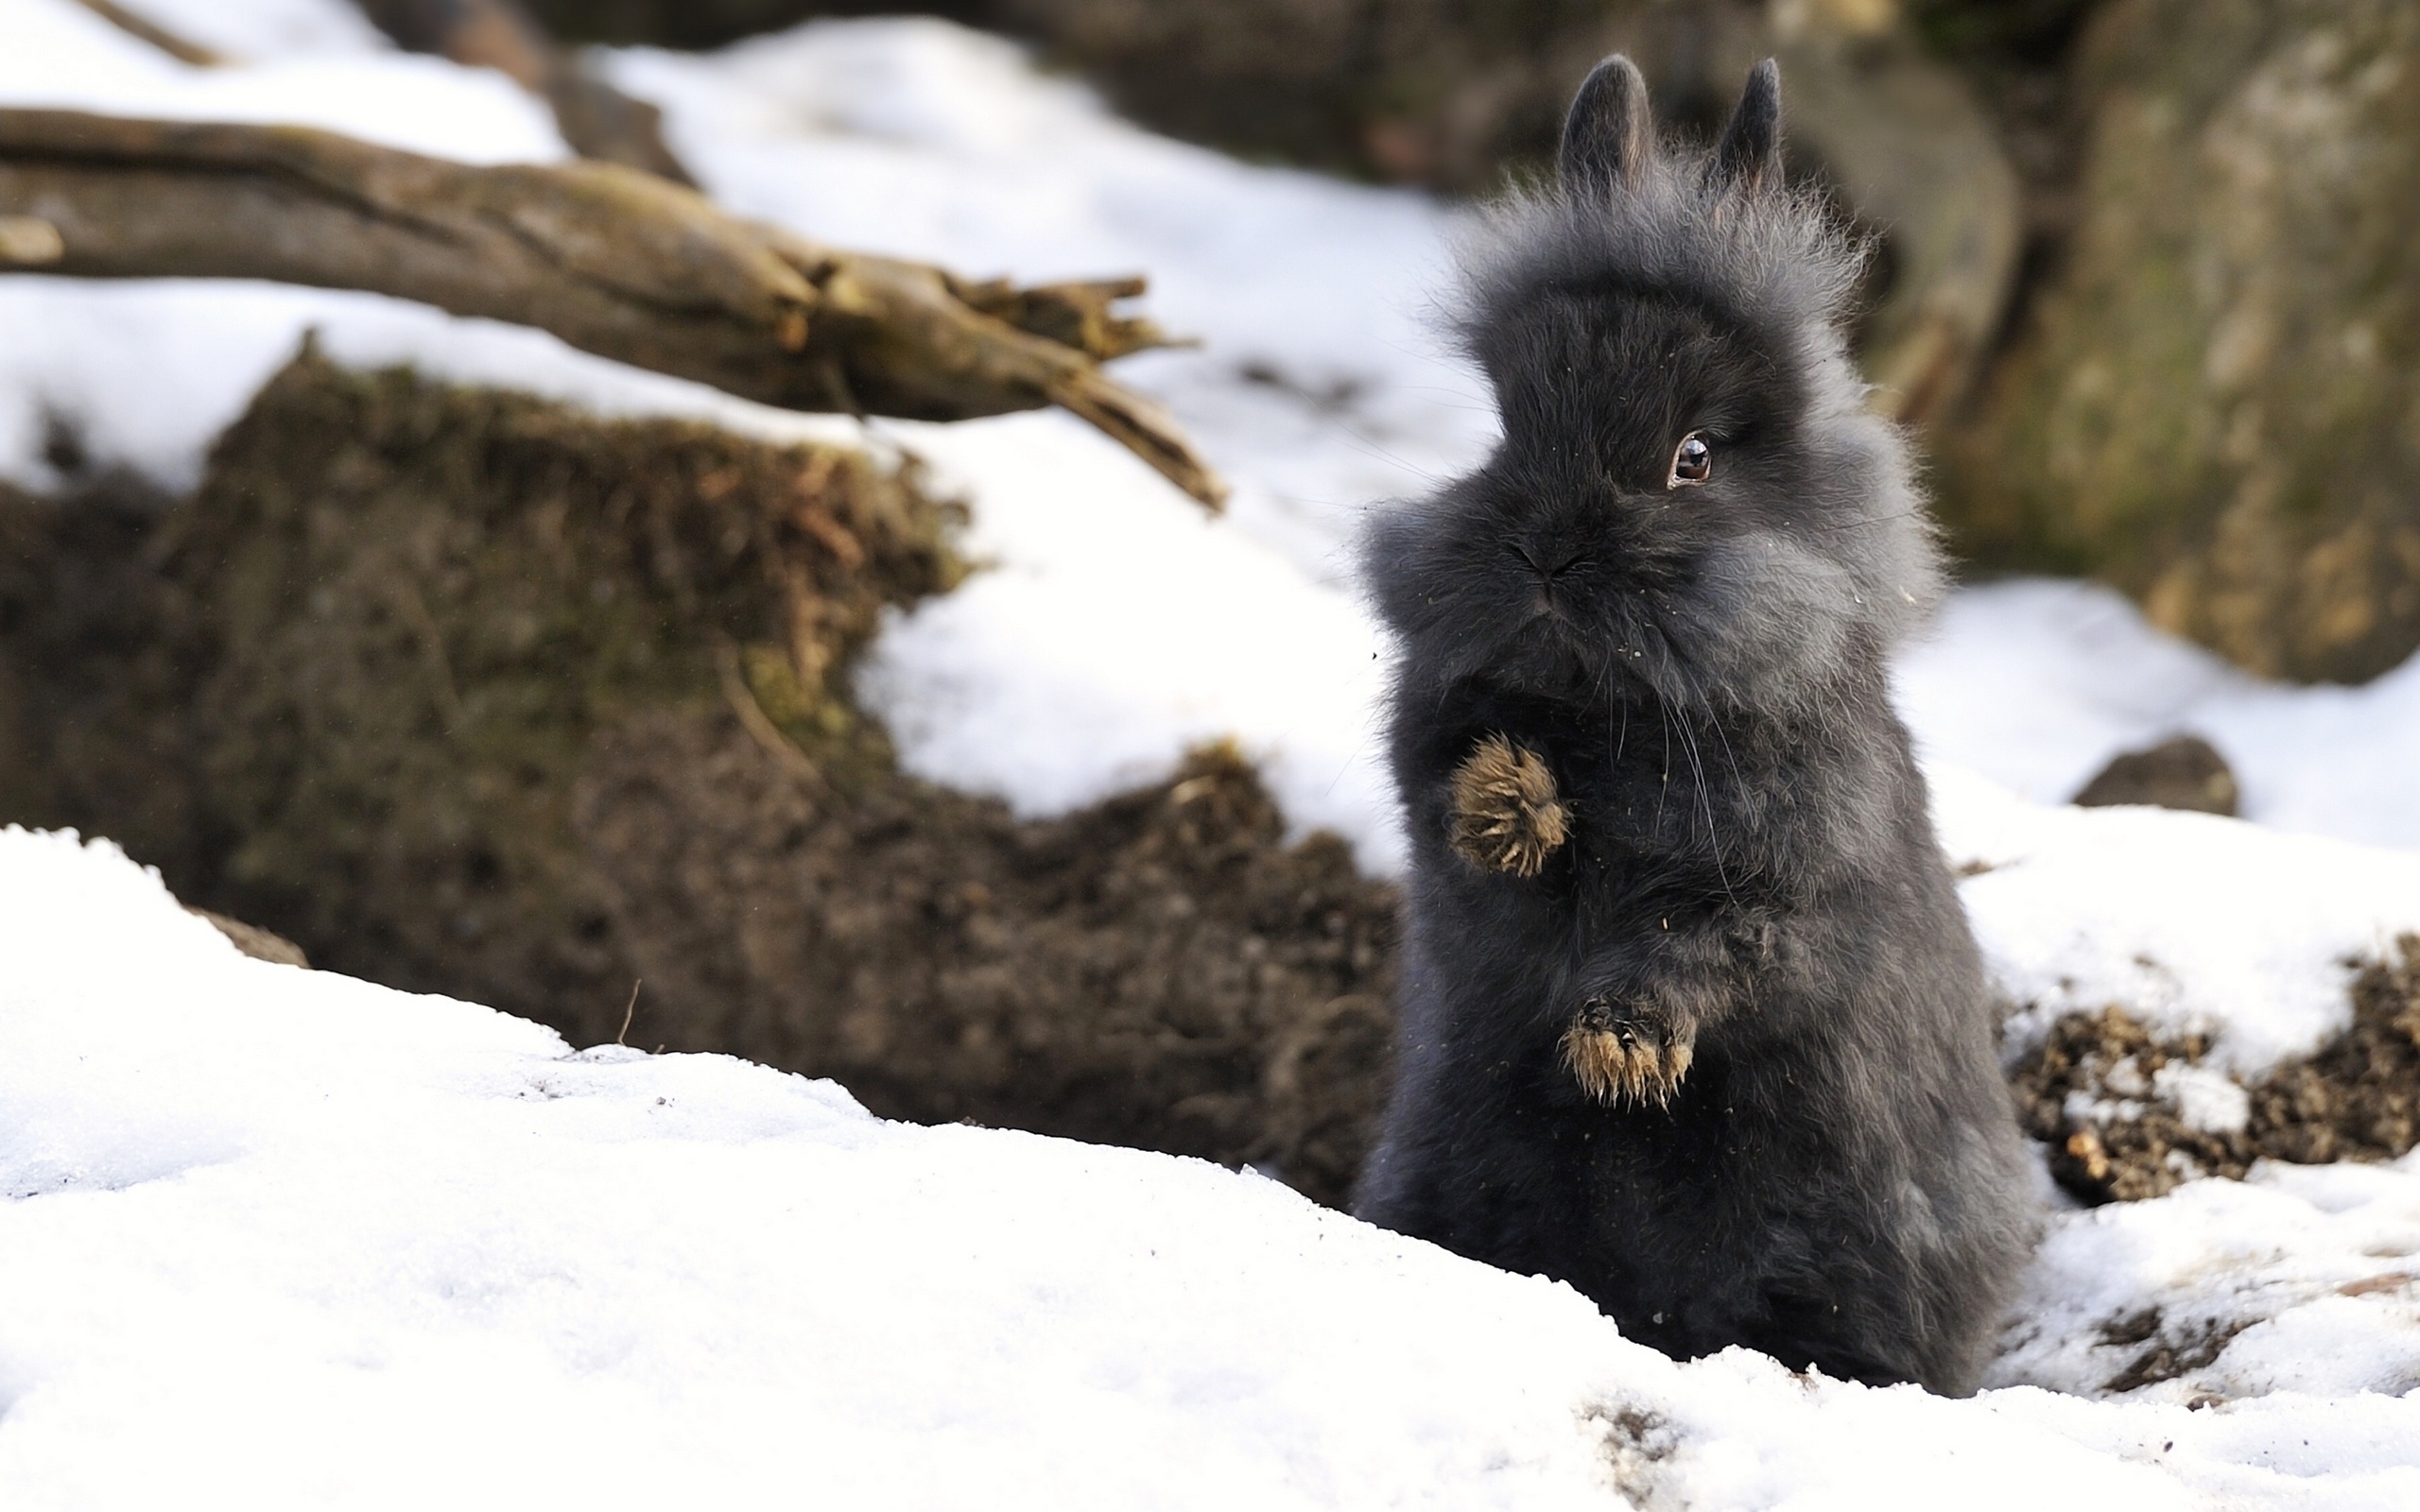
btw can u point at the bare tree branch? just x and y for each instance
(613, 261)
(598, 120)
(158, 36)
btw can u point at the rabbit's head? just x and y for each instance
(1691, 491)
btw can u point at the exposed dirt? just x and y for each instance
(2171, 1348)
(1159, 970)
(2090, 1090)
(1636, 1443)
(470, 693)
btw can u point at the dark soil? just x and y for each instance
(2356, 1099)
(466, 693)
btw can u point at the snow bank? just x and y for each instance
(284, 1237)
(1321, 385)
(2190, 923)
(2301, 1279)
(2036, 684)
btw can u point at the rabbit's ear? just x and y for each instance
(1749, 156)
(1609, 134)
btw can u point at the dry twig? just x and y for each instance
(597, 119)
(157, 35)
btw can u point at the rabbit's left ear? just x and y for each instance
(1609, 134)
(1749, 156)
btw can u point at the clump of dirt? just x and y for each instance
(254, 941)
(468, 692)
(2169, 1348)
(2087, 1091)
(2358, 1099)
(2093, 1090)
(1636, 1445)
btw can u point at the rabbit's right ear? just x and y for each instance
(1749, 156)
(1609, 134)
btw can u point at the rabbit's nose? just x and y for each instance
(1549, 566)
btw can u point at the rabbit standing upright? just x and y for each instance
(1691, 1017)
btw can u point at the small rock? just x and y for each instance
(2186, 772)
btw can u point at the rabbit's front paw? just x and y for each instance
(1506, 814)
(1616, 1051)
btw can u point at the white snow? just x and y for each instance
(2192, 924)
(917, 137)
(2036, 684)
(2318, 1266)
(258, 30)
(281, 1238)
(61, 57)
(295, 1239)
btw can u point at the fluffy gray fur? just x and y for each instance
(1751, 871)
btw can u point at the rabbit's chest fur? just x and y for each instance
(1838, 990)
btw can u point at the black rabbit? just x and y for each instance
(1691, 1018)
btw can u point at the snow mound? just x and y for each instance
(2036, 684)
(279, 1235)
(2301, 1279)
(2190, 924)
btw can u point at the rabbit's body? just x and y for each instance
(1691, 1017)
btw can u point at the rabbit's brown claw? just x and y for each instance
(1506, 814)
(1618, 1054)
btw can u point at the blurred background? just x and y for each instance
(927, 736)
(2148, 279)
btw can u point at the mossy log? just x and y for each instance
(612, 260)
(470, 693)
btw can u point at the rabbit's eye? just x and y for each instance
(1692, 462)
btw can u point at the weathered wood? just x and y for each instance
(611, 260)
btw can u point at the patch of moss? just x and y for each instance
(2209, 403)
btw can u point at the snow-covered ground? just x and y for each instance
(276, 1238)
(296, 1238)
